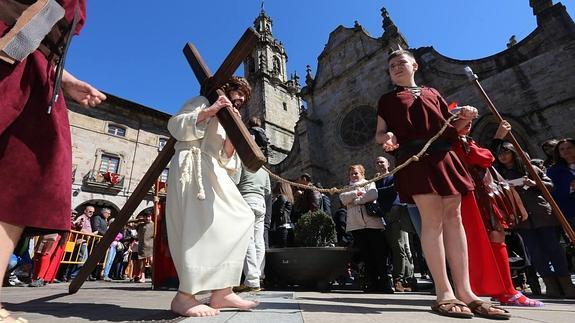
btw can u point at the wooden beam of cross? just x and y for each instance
(210, 87)
(251, 156)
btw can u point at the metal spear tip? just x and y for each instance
(469, 73)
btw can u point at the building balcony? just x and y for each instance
(103, 182)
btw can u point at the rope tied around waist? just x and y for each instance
(193, 167)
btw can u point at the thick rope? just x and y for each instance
(335, 190)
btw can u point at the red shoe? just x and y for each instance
(518, 300)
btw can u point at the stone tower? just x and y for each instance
(274, 96)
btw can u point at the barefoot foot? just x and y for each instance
(228, 299)
(187, 305)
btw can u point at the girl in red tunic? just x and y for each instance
(407, 118)
(488, 264)
(35, 147)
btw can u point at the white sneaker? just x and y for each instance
(14, 281)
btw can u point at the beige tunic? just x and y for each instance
(209, 224)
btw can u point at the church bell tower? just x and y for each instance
(274, 95)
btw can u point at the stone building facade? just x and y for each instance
(530, 83)
(113, 146)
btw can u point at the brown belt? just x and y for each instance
(413, 147)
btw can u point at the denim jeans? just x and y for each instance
(82, 257)
(255, 256)
(110, 259)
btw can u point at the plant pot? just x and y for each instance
(311, 267)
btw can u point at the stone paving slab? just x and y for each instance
(275, 307)
(129, 302)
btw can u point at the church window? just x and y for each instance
(109, 164)
(116, 130)
(285, 106)
(358, 126)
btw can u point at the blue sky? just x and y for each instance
(133, 49)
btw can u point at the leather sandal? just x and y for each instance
(5, 315)
(482, 309)
(445, 308)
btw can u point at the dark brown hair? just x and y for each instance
(239, 84)
(284, 189)
(556, 157)
(400, 52)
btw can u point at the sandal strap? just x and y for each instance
(515, 297)
(451, 301)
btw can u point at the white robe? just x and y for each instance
(208, 238)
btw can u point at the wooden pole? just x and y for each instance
(511, 138)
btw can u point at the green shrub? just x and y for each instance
(315, 229)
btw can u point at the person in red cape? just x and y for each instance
(489, 272)
(35, 144)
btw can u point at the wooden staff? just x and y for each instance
(511, 138)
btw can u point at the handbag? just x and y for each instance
(374, 209)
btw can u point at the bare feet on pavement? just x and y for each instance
(226, 298)
(187, 305)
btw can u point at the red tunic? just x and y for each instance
(35, 148)
(416, 118)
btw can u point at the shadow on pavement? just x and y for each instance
(89, 311)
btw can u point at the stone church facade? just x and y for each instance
(530, 83)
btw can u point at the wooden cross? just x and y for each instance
(247, 149)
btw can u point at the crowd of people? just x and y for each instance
(42, 259)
